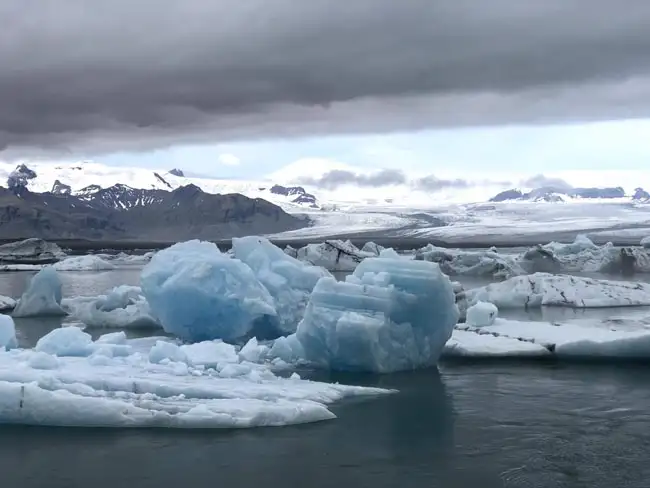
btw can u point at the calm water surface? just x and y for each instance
(482, 424)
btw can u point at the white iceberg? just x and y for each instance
(289, 281)
(390, 315)
(84, 263)
(38, 388)
(123, 307)
(543, 289)
(372, 248)
(481, 314)
(645, 242)
(584, 340)
(42, 297)
(31, 251)
(7, 303)
(198, 293)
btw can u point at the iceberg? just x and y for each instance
(7, 332)
(333, 255)
(84, 263)
(390, 315)
(576, 340)
(289, 281)
(7, 303)
(198, 293)
(543, 289)
(42, 297)
(31, 251)
(39, 388)
(66, 341)
(123, 307)
(372, 248)
(481, 314)
(456, 262)
(645, 242)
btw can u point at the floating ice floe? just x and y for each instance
(198, 293)
(123, 307)
(333, 255)
(585, 340)
(74, 382)
(543, 289)
(42, 297)
(7, 303)
(289, 281)
(456, 262)
(89, 262)
(372, 248)
(30, 252)
(389, 315)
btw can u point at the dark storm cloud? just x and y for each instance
(336, 178)
(542, 181)
(126, 74)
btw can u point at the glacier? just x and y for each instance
(198, 293)
(42, 297)
(72, 383)
(389, 315)
(288, 280)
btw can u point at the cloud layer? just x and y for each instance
(140, 75)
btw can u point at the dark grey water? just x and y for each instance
(488, 425)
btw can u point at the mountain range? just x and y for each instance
(555, 194)
(120, 212)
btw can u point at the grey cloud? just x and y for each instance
(542, 181)
(432, 184)
(337, 178)
(138, 75)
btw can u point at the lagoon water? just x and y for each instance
(472, 424)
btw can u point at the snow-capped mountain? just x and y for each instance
(120, 185)
(556, 195)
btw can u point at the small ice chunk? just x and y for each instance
(372, 248)
(43, 360)
(481, 314)
(645, 242)
(198, 293)
(209, 353)
(7, 303)
(253, 351)
(66, 341)
(288, 349)
(7, 332)
(112, 338)
(289, 281)
(390, 315)
(166, 350)
(83, 263)
(42, 297)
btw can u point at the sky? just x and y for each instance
(235, 89)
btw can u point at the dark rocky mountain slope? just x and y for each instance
(123, 213)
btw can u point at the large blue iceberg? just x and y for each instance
(289, 281)
(42, 297)
(198, 293)
(391, 315)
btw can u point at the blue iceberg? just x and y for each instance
(42, 297)
(289, 281)
(198, 293)
(391, 315)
